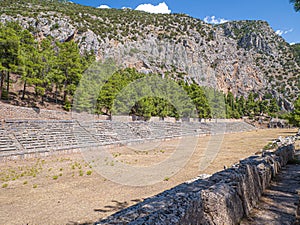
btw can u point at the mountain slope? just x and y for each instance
(240, 56)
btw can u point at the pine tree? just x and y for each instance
(264, 107)
(88, 93)
(296, 4)
(241, 104)
(197, 94)
(252, 106)
(48, 65)
(10, 55)
(295, 115)
(116, 83)
(216, 102)
(30, 61)
(273, 107)
(70, 68)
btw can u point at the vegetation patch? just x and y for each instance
(270, 145)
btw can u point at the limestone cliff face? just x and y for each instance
(240, 56)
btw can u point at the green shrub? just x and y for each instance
(166, 178)
(270, 145)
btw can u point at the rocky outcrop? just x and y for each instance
(223, 198)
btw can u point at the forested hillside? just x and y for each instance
(49, 45)
(54, 70)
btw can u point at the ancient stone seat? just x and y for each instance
(7, 144)
(30, 136)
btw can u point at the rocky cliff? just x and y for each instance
(240, 56)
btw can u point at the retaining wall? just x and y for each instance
(8, 111)
(223, 198)
(17, 112)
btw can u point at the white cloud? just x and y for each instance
(103, 7)
(292, 43)
(281, 32)
(124, 7)
(160, 8)
(214, 20)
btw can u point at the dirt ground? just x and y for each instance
(67, 189)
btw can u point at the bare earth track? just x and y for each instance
(64, 189)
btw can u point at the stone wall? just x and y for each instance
(16, 112)
(223, 198)
(8, 111)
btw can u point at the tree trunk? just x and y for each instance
(65, 96)
(24, 90)
(1, 83)
(56, 90)
(65, 85)
(7, 87)
(43, 95)
(36, 92)
(65, 90)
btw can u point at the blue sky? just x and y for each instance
(278, 13)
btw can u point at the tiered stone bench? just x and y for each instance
(102, 131)
(44, 136)
(8, 144)
(21, 137)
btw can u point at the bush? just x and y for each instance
(67, 106)
(270, 145)
(166, 178)
(54, 27)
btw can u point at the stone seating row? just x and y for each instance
(7, 144)
(36, 135)
(22, 136)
